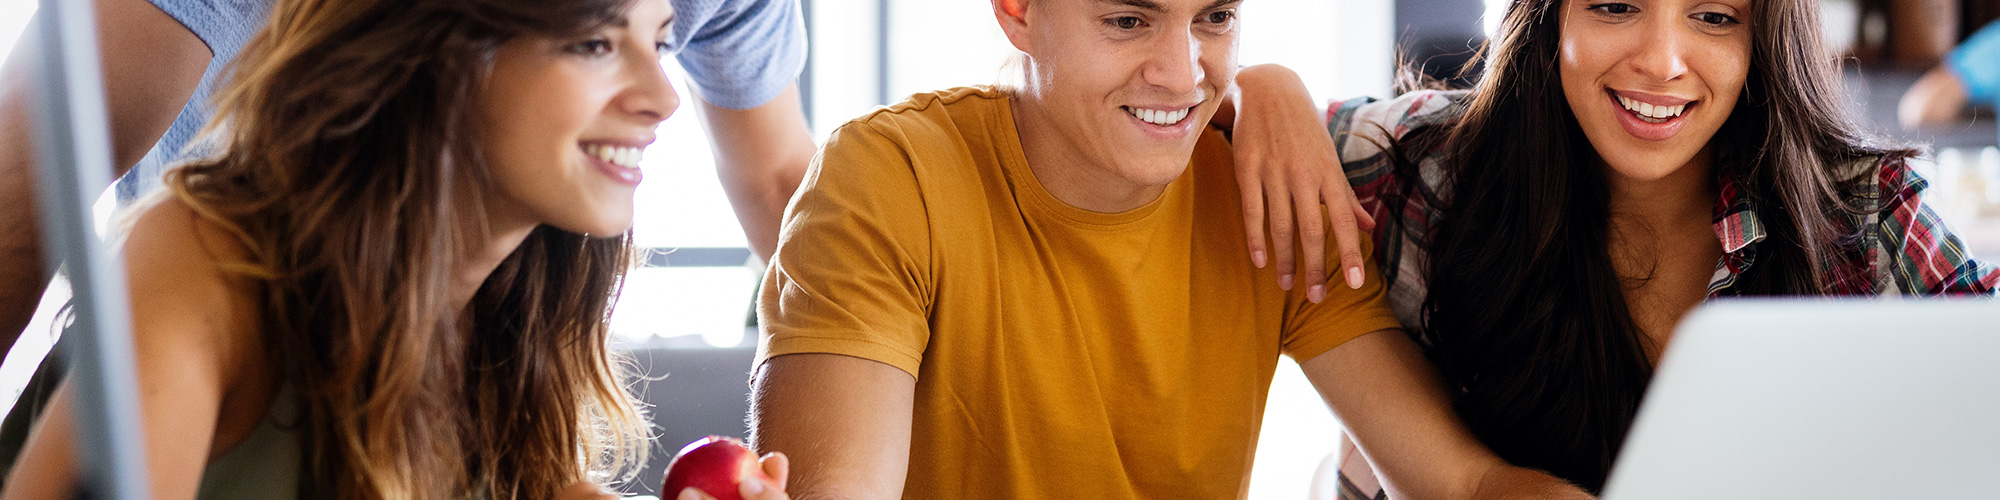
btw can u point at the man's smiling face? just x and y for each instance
(1129, 84)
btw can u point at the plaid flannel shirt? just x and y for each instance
(1905, 250)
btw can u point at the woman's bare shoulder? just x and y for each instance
(190, 282)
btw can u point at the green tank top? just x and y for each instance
(267, 465)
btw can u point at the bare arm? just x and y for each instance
(1396, 408)
(1936, 99)
(844, 421)
(761, 154)
(152, 65)
(198, 361)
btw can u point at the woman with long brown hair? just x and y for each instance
(1617, 163)
(392, 279)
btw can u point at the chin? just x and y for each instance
(1645, 169)
(597, 226)
(1156, 172)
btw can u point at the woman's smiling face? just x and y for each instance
(1651, 81)
(563, 122)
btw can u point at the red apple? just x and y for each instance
(715, 465)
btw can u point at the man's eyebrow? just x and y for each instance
(670, 21)
(1143, 4)
(1156, 7)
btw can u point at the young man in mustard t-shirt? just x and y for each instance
(1040, 292)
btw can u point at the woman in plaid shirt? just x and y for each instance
(1618, 163)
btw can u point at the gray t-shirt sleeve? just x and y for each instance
(742, 53)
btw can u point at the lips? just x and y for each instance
(1651, 117)
(1169, 123)
(620, 162)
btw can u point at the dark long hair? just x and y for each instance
(347, 168)
(1525, 315)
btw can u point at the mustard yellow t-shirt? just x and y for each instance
(1059, 353)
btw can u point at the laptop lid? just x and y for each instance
(1822, 400)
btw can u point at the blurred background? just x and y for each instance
(687, 315)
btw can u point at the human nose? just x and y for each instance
(1176, 64)
(651, 94)
(1659, 55)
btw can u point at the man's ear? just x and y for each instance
(1013, 17)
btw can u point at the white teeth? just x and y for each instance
(1649, 110)
(1158, 117)
(622, 156)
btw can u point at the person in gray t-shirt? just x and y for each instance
(163, 57)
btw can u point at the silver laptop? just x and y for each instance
(1822, 400)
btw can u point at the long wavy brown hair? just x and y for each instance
(346, 164)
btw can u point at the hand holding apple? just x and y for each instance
(721, 468)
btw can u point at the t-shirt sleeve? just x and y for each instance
(852, 272)
(745, 52)
(224, 25)
(1977, 64)
(1313, 329)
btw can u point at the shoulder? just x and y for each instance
(1365, 129)
(1396, 117)
(887, 162)
(941, 110)
(1878, 183)
(1908, 245)
(925, 128)
(191, 282)
(165, 226)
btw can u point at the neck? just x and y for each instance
(486, 247)
(1066, 170)
(1685, 198)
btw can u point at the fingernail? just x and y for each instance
(688, 494)
(1257, 258)
(753, 486)
(1285, 282)
(1316, 294)
(1354, 277)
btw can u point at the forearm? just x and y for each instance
(22, 276)
(758, 191)
(1395, 408)
(844, 421)
(1394, 405)
(151, 65)
(761, 155)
